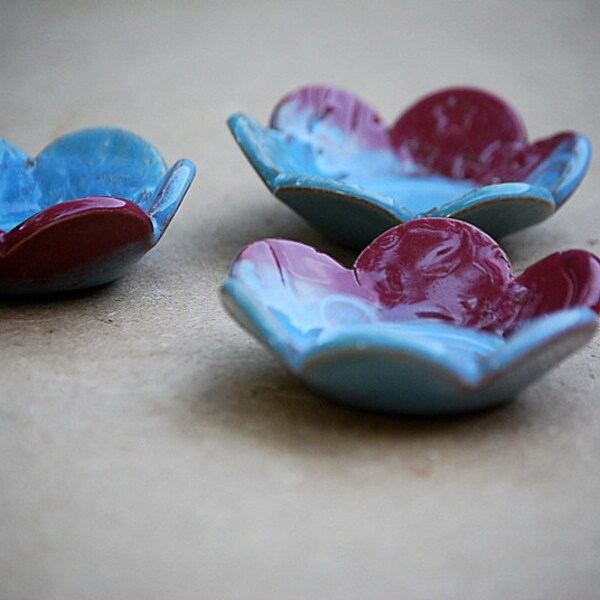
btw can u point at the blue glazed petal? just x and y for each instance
(19, 192)
(564, 170)
(91, 162)
(169, 195)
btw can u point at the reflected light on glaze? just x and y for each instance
(69, 209)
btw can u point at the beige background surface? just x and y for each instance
(150, 449)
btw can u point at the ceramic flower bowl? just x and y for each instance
(430, 320)
(459, 153)
(84, 210)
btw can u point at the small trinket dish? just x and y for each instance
(430, 320)
(460, 153)
(84, 210)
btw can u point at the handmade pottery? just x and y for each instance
(459, 153)
(84, 210)
(430, 319)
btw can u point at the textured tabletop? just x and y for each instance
(151, 449)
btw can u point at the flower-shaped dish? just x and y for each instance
(84, 210)
(430, 320)
(459, 153)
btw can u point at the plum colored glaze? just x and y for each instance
(460, 153)
(84, 210)
(430, 319)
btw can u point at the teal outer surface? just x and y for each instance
(103, 186)
(353, 206)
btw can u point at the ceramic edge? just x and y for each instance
(490, 194)
(523, 205)
(541, 333)
(244, 130)
(366, 338)
(257, 321)
(285, 183)
(575, 171)
(103, 130)
(536, 351)
(170, 194)
(326, 357)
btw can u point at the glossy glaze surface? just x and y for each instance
(461, 152)
(431, 307)
(84, 210)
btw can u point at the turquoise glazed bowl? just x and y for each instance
(430, 320)
(459, 153)
(82, 211)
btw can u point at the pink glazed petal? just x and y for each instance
(333, 107)
(54, 242)
(442, 269)
(562, 280)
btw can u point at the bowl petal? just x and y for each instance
(282, 286)
(502, 208)
(442, 269)
(347, 213)
(536, 348)
(562, 280)
(73, 245)
(87, 163)
(270, 152)
(563, 162)
(20, 193)
(457, 132)
(169, 195)
(99, 162)
(331, 119)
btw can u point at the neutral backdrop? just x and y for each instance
(150, 449)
